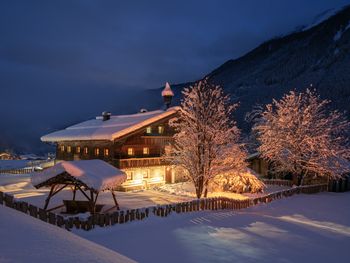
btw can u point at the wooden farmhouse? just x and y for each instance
(134, 143)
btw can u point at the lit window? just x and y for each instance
(160, 129)
(62, 148)
(69, 149)
(97, 151)
(130, 151)
(149, 130)
(129, 175)
(145, 174)
(77, 150)
(86, 150)
(145, 150)
(106, 152)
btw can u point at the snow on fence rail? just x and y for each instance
(121, 217)
(18, 171)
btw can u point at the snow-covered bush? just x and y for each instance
(240, 182)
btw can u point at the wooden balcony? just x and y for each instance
(140, 162)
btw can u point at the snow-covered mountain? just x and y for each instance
(317, 56)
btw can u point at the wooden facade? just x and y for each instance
(139, 154)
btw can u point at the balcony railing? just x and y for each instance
(140, 162)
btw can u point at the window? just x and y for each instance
(62, 148)
(130, 151)
(160, 129)
(129, 175)
(145, 150)
(69, 149)
(86, 150)
(149, 130)
(106, 152)
(77, 149)
(97, 151)
(145, 173)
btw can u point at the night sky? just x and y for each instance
(62, 61)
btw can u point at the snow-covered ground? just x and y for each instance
(25, 239)
(302, 228)
(13, 164)
(187, 189)
(21, 188)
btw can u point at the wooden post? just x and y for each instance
(115, 200)
(52, 218)
(33, 211)
(1, 198)
(92, 203)
(8, 200)
(43, 215)
(49, 196)
(24, 207)
(59, 220)
(74, 192)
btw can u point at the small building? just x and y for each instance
(258, 164)
(8, 156)
(134, 143)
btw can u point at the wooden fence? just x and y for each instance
(278, 182)
(121, 217)
(18, 171)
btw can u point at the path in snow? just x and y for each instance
(302, 228)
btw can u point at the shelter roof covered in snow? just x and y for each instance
(95, 174)
(111, 129)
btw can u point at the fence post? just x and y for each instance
(52, 218)
(42, 215)
(8, 200)
(1, 198)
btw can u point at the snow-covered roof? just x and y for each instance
(167, 90)
(114, 128)
(96, 174)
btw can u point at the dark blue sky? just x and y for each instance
(138, 43)
(61, 61)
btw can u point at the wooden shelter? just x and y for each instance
(90, 177)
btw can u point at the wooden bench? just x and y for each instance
(75, 207)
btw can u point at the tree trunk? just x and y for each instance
(199, 187)
(303, 176)
(206, 190)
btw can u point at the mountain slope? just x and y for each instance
(318, 57)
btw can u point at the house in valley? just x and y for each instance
(134, 143)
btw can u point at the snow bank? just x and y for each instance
(96, 174)
(25, 239)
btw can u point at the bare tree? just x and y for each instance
(206, 142)
(299, 134)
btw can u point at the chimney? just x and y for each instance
(106, 116)
(167, 95)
